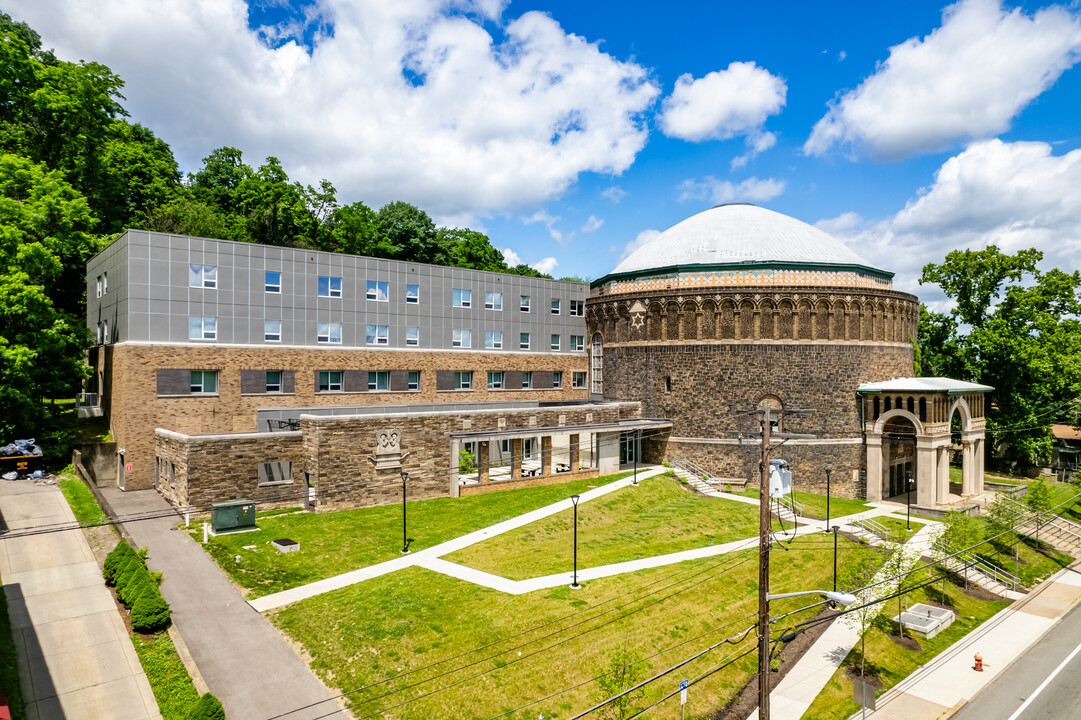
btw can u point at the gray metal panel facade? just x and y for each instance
(150, 299)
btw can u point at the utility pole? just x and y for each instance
(763, 572)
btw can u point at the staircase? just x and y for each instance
(1062, 534)
(984, 575)
(695, 480)
(869, 530)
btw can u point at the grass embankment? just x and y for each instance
(656, 518)
(337, 542)
(898, 528)
(9, 666)
(168, 677)
(814, 506)
(80, 498)
(888, 661)
(1030, 561)
(373, 633)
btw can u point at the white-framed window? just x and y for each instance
(99, 332)
(273, 381)
(204, 382)
(527, 380)
(99, 285)
(272, 330)
(412, 294)
(578, 379)
(105, 332)
(378, 290)
(328, 333)
(376, 334)
(414, 380)
(577, 308)
(462, 298)
(105, 283)
(203, 276)
(378, 380)
(272, 281)
(202, 328)
(578, 343)
(493, 301)
(495, 379)
(555, 341)
(330, 286)
(557, 380)
(330, 381)
(412, 336)
(556, 306)
(523, 341)
(523, 303)
(493, 339)
(463, 379)
(461, 338)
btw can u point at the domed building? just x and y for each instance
(740, 307)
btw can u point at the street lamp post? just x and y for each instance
(828, 471)
(908, 486)
(574, 582)
(637, 445)
(835, 529)
(405, 539)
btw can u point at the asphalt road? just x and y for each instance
(1042, 684)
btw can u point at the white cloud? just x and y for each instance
(511, 258)
(1013, 195)
(722, 191)
(614, 194)
(407, 100)
(757, 143)
(592, 224)
(965, 80)
(643, 237)
(543, 216)
(545, 265)
(723, 104)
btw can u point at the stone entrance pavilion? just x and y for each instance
(907, 424)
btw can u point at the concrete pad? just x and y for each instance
(909, 707)
(46, 550)
(35, 510)
(79, 668)
(1068, 576)
(1053, 600)
(88, 630)
(52, 579)
(59, 606)
(120, 699)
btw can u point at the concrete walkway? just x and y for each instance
(75, 657)
(790, 699)
(420, 557)
(245, 661)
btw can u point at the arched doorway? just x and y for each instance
(899, 456)
(970, 442)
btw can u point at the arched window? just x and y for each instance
(911, 405)
(596, 364)
(923, 409)
(773, 404)
(877, 407)
(888, 403)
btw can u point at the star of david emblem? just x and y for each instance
(638, 320)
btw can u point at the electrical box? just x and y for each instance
(232, 516)
(780, 479)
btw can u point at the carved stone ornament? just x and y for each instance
(388, 450)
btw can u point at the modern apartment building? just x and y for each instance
(197, 336)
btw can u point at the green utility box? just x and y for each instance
(232, 516)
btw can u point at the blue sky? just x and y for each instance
(570, 130)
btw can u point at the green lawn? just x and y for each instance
(168, 677)
(333, 543)
(1034, 562)
(80, 497)
(890, 662)
(814, 506)
(658, 517)
(899, 528)
(9, 667)
(379, 630)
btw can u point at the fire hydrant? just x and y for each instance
(979, 663)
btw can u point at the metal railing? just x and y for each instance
(86, 400)
(792, 504)
(874, 527)
(991, 570)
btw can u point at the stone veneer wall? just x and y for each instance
(197, 470)
(134, 409)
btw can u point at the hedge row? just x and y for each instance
(137, 588)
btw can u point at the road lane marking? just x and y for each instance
(1045, 683)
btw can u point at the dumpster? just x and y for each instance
(232, 516)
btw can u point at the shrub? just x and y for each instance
(137, 582)
(116, 560)
(126, 569)
(150, 612)
(207, 708)
(467, 463)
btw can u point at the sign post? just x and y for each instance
(863, 694)
(683, 684)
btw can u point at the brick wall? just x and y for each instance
(135, 409)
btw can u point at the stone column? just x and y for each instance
(482, 461)
(968, 475)
(979, 460)
(943, 473)
(454, 479)
(574, 452)
(546, 455)
(926, 487)
(874, 467)
(516, 459)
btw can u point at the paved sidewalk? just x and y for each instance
(791, 697)
(245, 661)
(286, 597)
(75, 657)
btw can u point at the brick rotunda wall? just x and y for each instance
(699, 358)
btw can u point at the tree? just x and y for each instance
(626, 669)
(354, 229)
(409, 234)
(961, 531)
(470, 249)
(899, 565)
(857, 573)
(138, 174)
(1022, 337)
